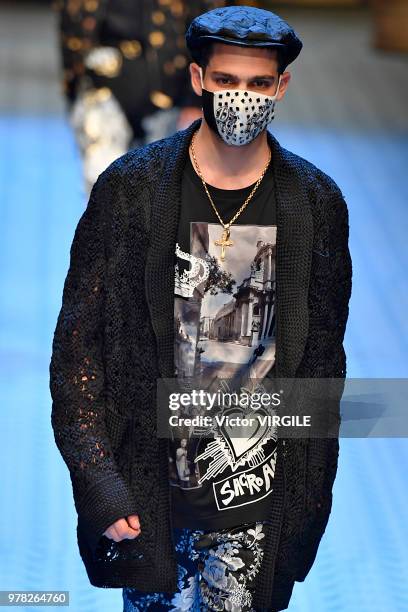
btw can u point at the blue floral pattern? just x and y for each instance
(216, 570)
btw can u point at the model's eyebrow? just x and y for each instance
(234, 76)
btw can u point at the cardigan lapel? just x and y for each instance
(293, 253)
(294, 244)
(160, 261)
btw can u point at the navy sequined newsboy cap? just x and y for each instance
(244, 25)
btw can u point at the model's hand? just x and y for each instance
(128, 527)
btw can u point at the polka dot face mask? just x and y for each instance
(237, 115)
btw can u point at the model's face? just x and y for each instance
(233, 67)
(183, 443)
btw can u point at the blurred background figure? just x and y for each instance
(125, 73)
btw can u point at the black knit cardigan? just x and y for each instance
(114, 338)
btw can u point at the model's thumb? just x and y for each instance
(133, 521)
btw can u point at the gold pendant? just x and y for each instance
(223, 242)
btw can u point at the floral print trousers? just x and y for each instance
(216, 570)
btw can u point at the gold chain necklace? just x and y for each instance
(225, 240)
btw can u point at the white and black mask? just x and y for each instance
(237, 115)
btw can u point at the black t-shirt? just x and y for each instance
(224, 318)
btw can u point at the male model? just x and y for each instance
(216, 254)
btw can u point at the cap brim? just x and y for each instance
(243, 43)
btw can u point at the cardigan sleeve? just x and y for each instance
(77, 382)
(325, 358)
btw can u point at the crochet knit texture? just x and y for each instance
(114, 338)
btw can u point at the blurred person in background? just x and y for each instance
(125, 75)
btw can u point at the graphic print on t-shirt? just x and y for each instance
(228, 318)
(225, 329)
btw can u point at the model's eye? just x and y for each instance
(264, 84)
(223, 80)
